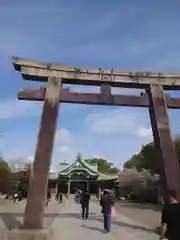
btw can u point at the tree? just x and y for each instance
(149, 160)
(132, 162)
(23, 180)
(5, 171)
(5, 175)
(103, 165)
(28, 169)
(145, 159)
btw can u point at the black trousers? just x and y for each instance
(85, 210)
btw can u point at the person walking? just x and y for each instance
(170, 227)
(60, 197)
(15, 197)
(48, 197)
(85, 198)
(107, 203)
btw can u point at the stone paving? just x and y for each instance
(139, 212)
(11, 216)
(70, 226)
(65, 222)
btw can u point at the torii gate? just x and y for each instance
(56, 75)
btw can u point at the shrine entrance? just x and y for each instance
(56, 75)
(83, 175)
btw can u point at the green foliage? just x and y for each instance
(132, 162)
(5, 171)
(103, 165)
(13, 181)
(5, 175)
(22, 185)
(147, 158)
(27, 172)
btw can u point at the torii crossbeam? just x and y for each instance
(56, 75)
(67, 96)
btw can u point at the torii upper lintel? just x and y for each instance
(41, 71)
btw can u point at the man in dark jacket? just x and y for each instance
(106, 203)
(171, 218)
(85, 198)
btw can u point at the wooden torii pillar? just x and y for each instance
(33, 217)
(165, 149)
(32, 227)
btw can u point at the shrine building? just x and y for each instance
(79, 175)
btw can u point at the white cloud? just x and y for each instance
(53, 168)
(113, 121)
(101, 135)
(30, 159)
(63, 137)
(145, 133)
(84, 89)
(12, 108)
(64, 149)
(63, 146)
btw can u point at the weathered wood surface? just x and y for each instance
(36, 70)
(166, 153)
(67, 96)
(33, 218)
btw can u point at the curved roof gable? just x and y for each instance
(79, 165)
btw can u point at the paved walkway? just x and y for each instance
(70, 226)
(148, 214)
(64, 219)
(11, 216)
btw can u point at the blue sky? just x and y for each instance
(134, 35)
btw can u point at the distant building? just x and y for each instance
(18, 166)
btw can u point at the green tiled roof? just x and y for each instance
(79, 165)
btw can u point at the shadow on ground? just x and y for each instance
(141, 206)
(93, 228)
(11, 222)
(10, 219)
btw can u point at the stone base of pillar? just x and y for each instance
(30, 234)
